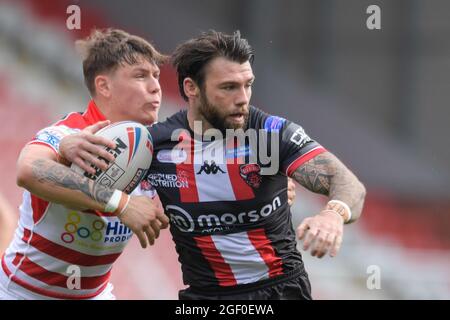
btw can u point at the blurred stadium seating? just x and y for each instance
(406, 236)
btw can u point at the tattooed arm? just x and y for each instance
(325, 174)
(39, 173)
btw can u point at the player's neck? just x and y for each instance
(106, 110)
(197, 128)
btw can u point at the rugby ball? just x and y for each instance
(133, 156)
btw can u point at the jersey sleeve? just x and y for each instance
(51, 136)
(296, 147)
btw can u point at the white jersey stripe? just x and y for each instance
(54, 290)
(212, 186)
(243, 258)
(50, 263)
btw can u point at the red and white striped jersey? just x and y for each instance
(228, 208)
(58, 252)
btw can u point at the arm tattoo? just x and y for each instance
(59, 175)
(315, 175)
(326, 174)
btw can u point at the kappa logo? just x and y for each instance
(212, 168)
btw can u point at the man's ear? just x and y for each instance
(102, 86)
(191, 89)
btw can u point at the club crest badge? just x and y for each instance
(251, 174)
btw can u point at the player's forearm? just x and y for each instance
(326, 174)
(56, 183)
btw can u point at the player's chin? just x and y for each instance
(150, 117)
(236, 124)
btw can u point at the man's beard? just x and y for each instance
(216, 119)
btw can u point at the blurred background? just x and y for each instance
(378, 99)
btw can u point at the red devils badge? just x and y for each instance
(250, 173)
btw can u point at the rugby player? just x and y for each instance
(230, 220)
(72, 229)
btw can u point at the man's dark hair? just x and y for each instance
(105, 50)
(191, 58)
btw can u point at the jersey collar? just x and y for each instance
(93, 113)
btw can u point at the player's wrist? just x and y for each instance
(333, 213)
(118, 203)
(61, 160)
(340, 208)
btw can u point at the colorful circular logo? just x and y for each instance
(72, 229)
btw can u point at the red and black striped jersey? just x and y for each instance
(227, 198)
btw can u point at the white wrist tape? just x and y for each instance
(114, 201)
(346, 207)
(122, 208)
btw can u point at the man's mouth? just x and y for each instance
(154, 104)
(237, 117)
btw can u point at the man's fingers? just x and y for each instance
(318, 243)
(291, 198)
(326, 244)
(291, 192)
(141, 238)
(150, 235)
(336, 246)
(162, 218)
(93, 160)
(84, 166)
(96, 127)
(101, 141)
(99, 151)
(291, 184)
(301, 230)
(155, 225)
(321, 234)
(310, 236)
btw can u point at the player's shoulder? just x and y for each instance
(70, 123)
(163, 130)
(52, 135)
(258, 119)
(73, 120)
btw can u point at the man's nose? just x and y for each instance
(153, 85)
(243, 97)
